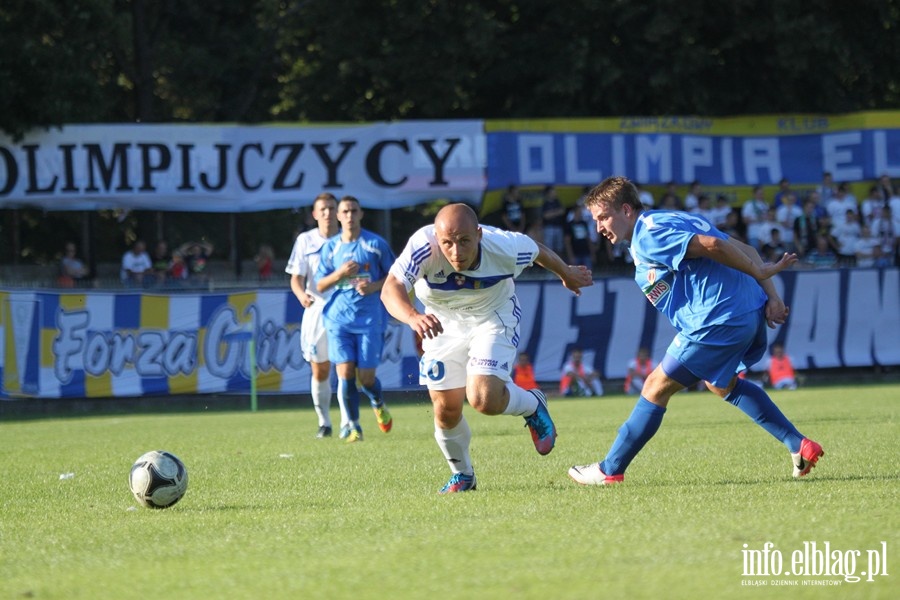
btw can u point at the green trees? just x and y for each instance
(247, 61)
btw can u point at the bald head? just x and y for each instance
(456, 217)
(458, 235)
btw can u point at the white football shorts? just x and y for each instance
(467, 348)
(313, 339)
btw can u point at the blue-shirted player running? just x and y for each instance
(718, 294)
(355, 263)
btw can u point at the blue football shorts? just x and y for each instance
(363, 348)
(723, 351)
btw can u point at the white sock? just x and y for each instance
(454, 443)
(321, 397)
(521, 402)
(597, 386)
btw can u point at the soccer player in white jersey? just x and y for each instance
(463, 274)
(314, 343)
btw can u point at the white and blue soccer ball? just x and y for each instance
(158, 479)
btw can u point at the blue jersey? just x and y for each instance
(346, 307)
(694, 293)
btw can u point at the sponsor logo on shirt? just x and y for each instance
(655, 293)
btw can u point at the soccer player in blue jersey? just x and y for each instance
(463, 274)
(718, 294)
(354, 264)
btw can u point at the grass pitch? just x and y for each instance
(271, 512)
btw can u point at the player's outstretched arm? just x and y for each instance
(397, 302)
(573, 277)
(737, 255)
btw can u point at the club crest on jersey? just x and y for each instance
(460, 280)
(651, 276)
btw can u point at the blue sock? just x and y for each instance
(641, 425)
(756, 404)
(373, 393)
(347, 390)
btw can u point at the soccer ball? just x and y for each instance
(158, 479)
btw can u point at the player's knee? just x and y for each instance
(487, 395)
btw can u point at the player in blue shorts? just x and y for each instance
(355, 264)
(718, 294)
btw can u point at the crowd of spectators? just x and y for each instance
(826, 225)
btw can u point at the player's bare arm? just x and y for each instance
(743, 257)
(573, 277)
(737, 255)
(298, 286)
(396, 300)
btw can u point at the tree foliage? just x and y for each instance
(246, 61)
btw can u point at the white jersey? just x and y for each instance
(471, 294)
(304, 261)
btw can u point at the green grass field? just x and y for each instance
(272, 512)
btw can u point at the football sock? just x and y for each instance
(321, 397)
(597, 386)
(521, 402)
(756, 404)
(350, 395)
(454, 443)
(634, 433)
(373, 393)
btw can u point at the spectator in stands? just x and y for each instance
(196, 255)
(780, 369)
(818, 203)
(523, 373)
(162, 262)
(847, 235)
(554, 218)
(732, 226)
(669, 201)
(885, 188)
(868, 250)
(265, 261)
(754, 212)
(775, 248)
(883, 230)
(137, 268)
(178, 270)
(578, 379)
(72, 271)
(826, 189)
(786, 214)
(704, 208)
(806, 229)
(766, 226)
(639, 368)
(784, 187)
(822, 256)
(871, 205)
(577, 239)
(672, 189)
(513, 212)
(840, 204)
(721, 210)
(692, 198)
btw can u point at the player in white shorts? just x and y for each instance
(302, 267)
(464, 274)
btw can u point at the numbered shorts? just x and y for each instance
(468, 348)
(362, 347)
(313, 338)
